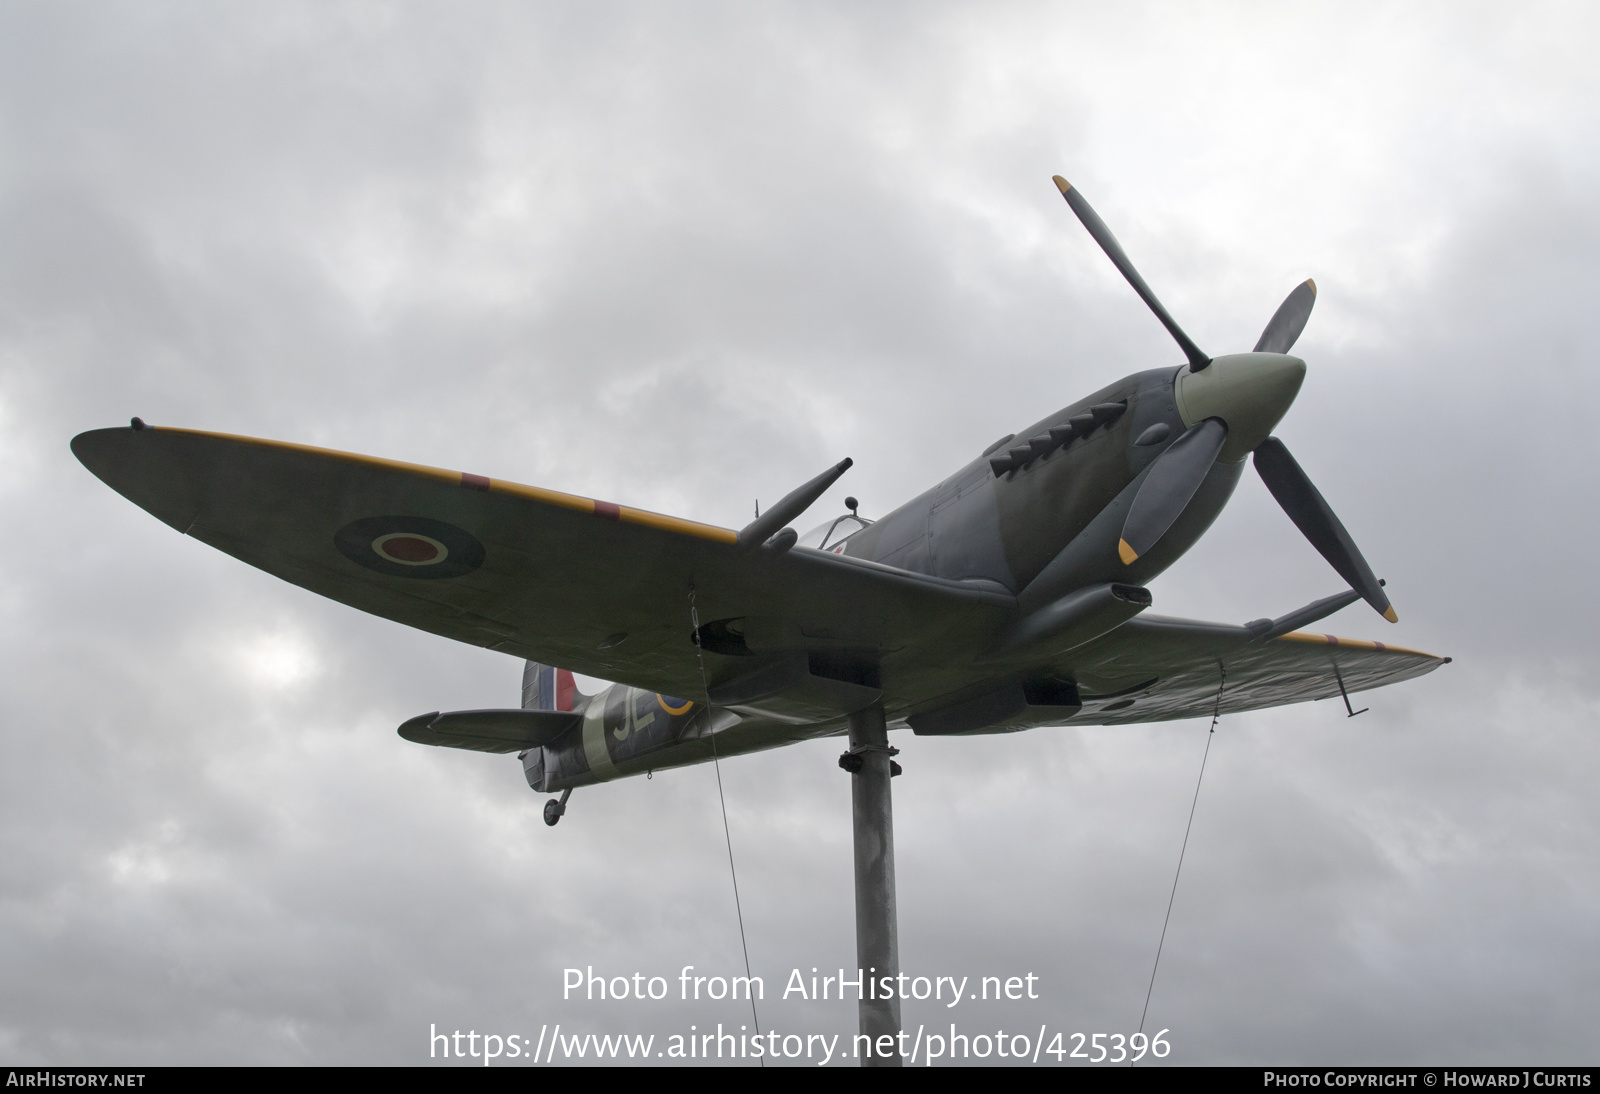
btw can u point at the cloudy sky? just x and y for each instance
(683, 257)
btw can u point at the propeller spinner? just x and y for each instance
(1231, 405)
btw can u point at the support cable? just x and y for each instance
(1215, 714)
(727, 835)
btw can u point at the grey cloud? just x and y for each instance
(780, 235)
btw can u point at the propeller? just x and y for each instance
(1171, 482)
(1289, 320)
(1251, 395)
(1108, 243)
(1316, 521)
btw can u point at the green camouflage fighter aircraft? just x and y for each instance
(1009, 596)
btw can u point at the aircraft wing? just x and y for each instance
(1155, 668)
(596, 587)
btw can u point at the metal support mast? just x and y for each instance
(877, 938)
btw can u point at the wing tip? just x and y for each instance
(415, 729)
(99, 449)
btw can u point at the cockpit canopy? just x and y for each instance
(831, 535)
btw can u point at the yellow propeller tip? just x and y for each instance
(1061, 184)
(1312, 282)
(1390, 615)
(1129, 555)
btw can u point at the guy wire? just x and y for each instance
(699, 656)
(1215, 714)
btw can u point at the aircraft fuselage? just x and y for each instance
(1039, 516)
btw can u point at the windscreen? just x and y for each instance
(833, 533)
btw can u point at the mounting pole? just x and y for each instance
(877, 937)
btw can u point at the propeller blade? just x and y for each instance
(1108, 243)
(1172, 481)
(1289, 320)
(1315, 519)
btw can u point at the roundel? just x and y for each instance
(409, 547)
(673, 705)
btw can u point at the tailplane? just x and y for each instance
(550, 709)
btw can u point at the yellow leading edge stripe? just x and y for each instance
(624, 513)
(1352, 644)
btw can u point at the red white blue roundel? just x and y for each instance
(410, 547)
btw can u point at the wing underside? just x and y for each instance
(1156, 669)
(592, 586)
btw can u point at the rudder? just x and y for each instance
(545, 687)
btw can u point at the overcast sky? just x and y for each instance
(683, 257)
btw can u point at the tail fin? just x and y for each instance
(545, 687)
